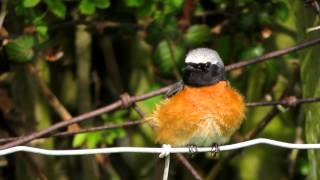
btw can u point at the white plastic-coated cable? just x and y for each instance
(155, 150)
(166, 154)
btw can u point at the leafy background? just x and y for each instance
(91, 51)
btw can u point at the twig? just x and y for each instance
(263, 123)
(314, 5)
(294, 153)
(187, 164)
(220, 164)
(84, 130)
(113, 150)
(253, 133)
(52, 99)
(287, 101)
(100, 128)
(173, 58)
(3, 12)
(141, 113)
(82, 117)
(99, 25)
(273, 54)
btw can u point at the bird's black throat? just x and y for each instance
(203, 74)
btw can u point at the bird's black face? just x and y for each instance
(203, 74)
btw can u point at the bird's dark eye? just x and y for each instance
(207, 65)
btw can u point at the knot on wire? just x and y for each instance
(166, 148)
(126, 100)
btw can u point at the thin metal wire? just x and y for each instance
(155, 150)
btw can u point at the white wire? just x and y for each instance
(166, 154)
(155, 150)
(166, 168)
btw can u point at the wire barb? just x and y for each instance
(126, 100)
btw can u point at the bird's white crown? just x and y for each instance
(203, 55)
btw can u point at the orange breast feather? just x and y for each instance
(199, 115)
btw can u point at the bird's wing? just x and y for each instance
(174, 89)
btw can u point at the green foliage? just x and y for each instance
(57, 7)
(21, 49)
(134, 3)
(30, 3)
(93, 139)
(137, 46)
(252, 52)
(88, 7)
(197, 35)
(281, 11)
(168, 56)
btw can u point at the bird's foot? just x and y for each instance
(214, 150)
(192, 149)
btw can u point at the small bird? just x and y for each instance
(202, 109)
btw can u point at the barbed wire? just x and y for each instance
(123, 103)
(289, 101)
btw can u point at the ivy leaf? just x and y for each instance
(87, 7)
(197, 35)
(20, 50)
(30, 3)
(103, 4)
(57, 7)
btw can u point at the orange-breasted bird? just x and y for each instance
(202, 109)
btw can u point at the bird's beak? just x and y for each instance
(188, 68)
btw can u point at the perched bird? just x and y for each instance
(202, 109)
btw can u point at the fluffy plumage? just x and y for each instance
(199, 115)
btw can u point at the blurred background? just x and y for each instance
(61, 58)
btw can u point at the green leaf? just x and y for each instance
(134, 3)
(30, 3)
(252, 52)
(93, 139)
(264, 18)
(197, 35)
(146, 10)
(166, 57)
(57, 7)
(281, 11)
(78, 140)
(171, 6)
(87, 7)
(103, 4)
(163, 27)
(20, 50)
(42, 30)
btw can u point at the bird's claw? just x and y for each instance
(192, 149)
(214, 150)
